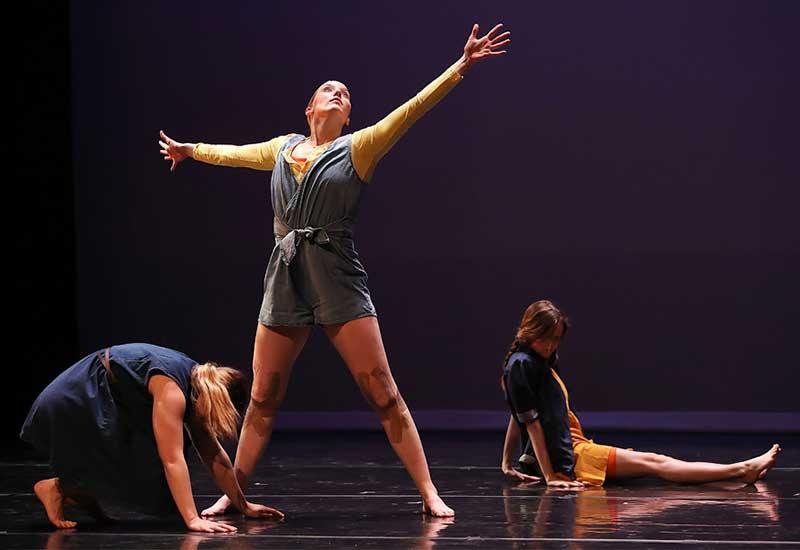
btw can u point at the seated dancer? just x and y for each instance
(314, 275)
(541, 418)
(112, 426)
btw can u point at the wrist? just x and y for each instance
(191, 518)
(462, 65)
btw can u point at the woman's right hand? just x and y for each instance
(557, 483)
(173, 150)
(513, 474)
(207, 526)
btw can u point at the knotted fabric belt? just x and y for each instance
(290, 237)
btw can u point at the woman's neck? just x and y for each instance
(324, 130)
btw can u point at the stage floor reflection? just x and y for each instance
(346, 490)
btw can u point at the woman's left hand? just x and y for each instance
(259, 511)
(487, 45)
(173, 150)
(519, 476)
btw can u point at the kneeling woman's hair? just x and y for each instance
(212, 387)
(539, 320)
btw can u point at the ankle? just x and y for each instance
(743, 468)
(429, 492)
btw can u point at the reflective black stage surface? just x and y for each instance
(346, 490)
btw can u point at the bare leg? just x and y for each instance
(360, 345)
(274, 354)
(636, 464)
(49, 494)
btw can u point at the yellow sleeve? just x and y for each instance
(259, 156)
(372, 143)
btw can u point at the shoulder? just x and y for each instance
(343, 140)
(166, 392)
(522, 359)
(361, 138)
(281, 142)
(525, 368)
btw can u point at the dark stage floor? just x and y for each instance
(346, 490)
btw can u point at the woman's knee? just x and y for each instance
(380, 391)
(268, 391)
(382, 394)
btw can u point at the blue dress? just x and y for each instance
(98, 433)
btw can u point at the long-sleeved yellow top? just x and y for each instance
(369, 144)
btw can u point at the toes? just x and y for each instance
(65, 524)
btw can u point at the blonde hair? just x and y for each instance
(212, 400)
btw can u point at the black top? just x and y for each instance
(532, 393)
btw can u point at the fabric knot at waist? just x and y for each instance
(290, 238)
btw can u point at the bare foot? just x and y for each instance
(49, 494)
(218, 508)
(436, 507)
(757, 468)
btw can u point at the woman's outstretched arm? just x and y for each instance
(258, 156)
(510, 448)
(169, 406)
(219, 464)
(372, 143)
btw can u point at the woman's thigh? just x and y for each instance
(635, 464)
(360, 344)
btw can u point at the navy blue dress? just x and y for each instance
(98, 433)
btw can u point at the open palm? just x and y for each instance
(487, 45)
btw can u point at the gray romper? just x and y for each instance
(314, 275)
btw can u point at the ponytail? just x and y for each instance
(212, 400)
(515, 345)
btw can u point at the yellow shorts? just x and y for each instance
(592, 462)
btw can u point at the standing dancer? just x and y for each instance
(112, 427)
(314, 274)
(540, 410)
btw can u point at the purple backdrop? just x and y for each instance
(633, 161)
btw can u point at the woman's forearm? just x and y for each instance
(510, 445)
(177, 474)
(536, 433)
(223, 473)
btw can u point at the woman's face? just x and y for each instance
(548, 344)
(330, 99)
